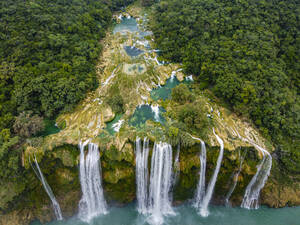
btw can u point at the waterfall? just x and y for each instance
(173, 74)
(92, 202)
(235, 179)
(201, 185)
(153, 197)
(210, 188)
(176, 165)
(155, 110)
(251, 196)
(142, 174)
(189, 78)
(117, 126)
(47, 188)
(110, 77)
(160, 183)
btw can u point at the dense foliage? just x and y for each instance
(182, 94)
(48, 51)
(248, 53)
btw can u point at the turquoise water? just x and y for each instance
(109, 125)
(50, 128)
(164, 92)
(130, 25)
(126, 25)
(144, 113)
(186, 215)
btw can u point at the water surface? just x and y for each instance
(164, 92)
(143, 113)
(126, 25)
(186, 215)
(133, 51)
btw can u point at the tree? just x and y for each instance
(182, 94)
(27, 125)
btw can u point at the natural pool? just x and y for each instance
(133, 51)
(146, 112)
(186, 215)
(114, 126)
(50, 128)
(164, 92)
(130, 25)
(126, 25)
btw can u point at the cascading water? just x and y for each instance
(160, 183)
(155, 110)
(201, 185)
(92, 202)
(251, 196)
(176, 165)
(117, 126)
(142, 174)
(48, 189)
(210, 188)
(235, 179)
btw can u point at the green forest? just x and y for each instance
(248, 54)
(48, 52)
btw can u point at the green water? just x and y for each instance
(186, 215)
(50, 128)
(109, 125)
(144, 113)
(164, 92)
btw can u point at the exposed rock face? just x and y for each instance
(60, 166)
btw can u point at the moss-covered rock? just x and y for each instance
(126, 153)
(113, 176)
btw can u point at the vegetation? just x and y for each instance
(182, 94)
(27, 125)
(48, 52)
(247, 52)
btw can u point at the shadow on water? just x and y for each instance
(133, 51)
(50, 128)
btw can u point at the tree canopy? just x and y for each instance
(248, 53)
(48, 52)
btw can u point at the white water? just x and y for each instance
(189, 78)
(177, 165)
(235, 179)
(173, 74)
(210, 188)
(92, 202)
(142, 174)
(48, 190)
(117, 126)
(160, 183)
(110, 77)
(155, 110)
(251, 196)
(201, 185)
(158, 63)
